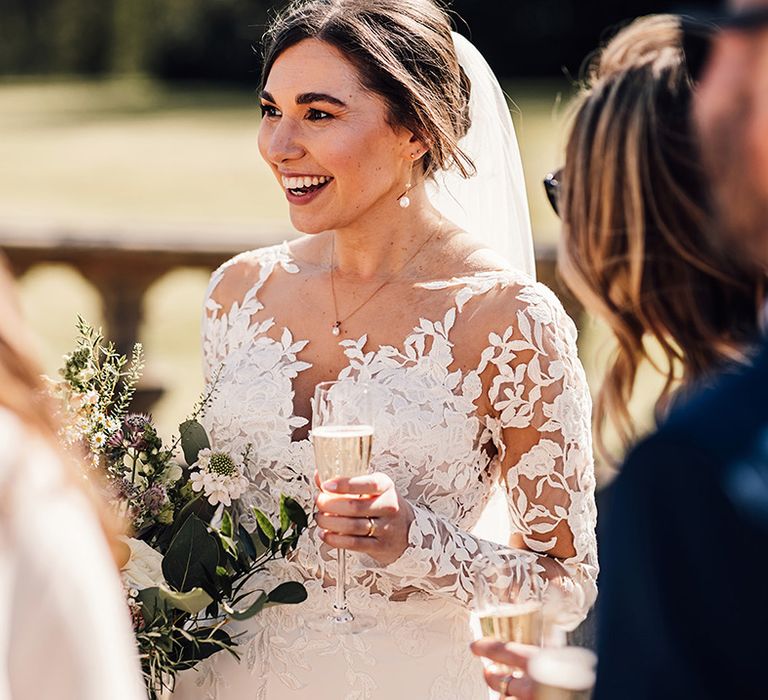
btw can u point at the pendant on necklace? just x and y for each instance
(336, 330)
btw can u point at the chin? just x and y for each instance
(305, 225)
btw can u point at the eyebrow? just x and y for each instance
(307, 98)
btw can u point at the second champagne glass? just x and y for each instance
(508, 601)
(342, 437)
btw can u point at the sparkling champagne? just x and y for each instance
(342, 450)
(518, 622)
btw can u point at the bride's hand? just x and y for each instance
(364, 514)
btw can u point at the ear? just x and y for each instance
(413, 148)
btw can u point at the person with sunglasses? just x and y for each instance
(636, 250)
(635, 209)
(683, 610)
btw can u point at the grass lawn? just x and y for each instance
(131, 155)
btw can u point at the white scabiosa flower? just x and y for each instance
(219, 475)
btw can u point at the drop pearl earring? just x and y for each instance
(404, 199)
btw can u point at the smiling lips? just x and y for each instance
(304, 185)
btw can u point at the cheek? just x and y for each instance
(263, 142)
(757, 130)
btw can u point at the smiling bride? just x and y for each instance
(394, 148)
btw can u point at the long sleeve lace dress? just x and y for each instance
(448, 457)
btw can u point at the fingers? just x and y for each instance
(507, 654)
(357, 527)
(509, 682)
(509, 676)
(367, 485)
(355, 507)
(350, 542)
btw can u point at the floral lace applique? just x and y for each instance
(444, 457)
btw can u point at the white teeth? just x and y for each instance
(297, 183)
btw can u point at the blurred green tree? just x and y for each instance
(213, 40)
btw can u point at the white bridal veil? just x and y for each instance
(492, 205)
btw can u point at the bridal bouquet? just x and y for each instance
(188, 561)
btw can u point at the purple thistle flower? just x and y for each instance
(154, 498)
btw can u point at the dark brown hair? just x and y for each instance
(635, 210)
(404, 52)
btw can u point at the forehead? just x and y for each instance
(313, 66)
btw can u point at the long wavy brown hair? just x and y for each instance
(23, 393)
(636, 249)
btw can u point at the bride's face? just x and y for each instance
(328, 142)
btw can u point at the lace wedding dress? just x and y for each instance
(443, 456)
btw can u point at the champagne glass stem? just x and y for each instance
(342, 611)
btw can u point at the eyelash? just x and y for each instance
(314, 115)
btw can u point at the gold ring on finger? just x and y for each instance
(371, 528)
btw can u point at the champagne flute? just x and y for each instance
(342, 436)
(508, 600)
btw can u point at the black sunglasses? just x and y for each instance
(698, 35)
(552, 188)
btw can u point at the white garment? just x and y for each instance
(64, 627)
(430, 439)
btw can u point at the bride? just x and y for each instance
(408, 191)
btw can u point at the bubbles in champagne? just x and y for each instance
(518, 622)
(342, 450)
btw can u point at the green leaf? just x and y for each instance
(288, 593)
(285, 518)
(248, 544)
(256, 607)
(192, 557)
(152, 605)
(264, 525)
(192, 601)
(225, 531)
(193, 439)
(293, 513)
(200, 644)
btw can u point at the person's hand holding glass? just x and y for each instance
(356, 510)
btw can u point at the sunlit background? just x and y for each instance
(132, 124)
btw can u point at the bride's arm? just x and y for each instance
(540, 425)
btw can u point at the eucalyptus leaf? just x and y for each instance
(152, 605)
(193, 601)
(288, 593)
(192, 557)
(256, 607)
(193, 439)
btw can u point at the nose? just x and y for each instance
(281, 141)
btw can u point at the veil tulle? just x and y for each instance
(492, 205)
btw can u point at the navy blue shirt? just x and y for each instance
(683, 609)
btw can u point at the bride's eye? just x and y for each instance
(316, 115)
(269, 111)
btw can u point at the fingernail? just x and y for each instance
(330, 486)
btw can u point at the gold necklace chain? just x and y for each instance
(336, 327)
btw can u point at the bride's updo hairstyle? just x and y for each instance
(634, 203)
(404, 52)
